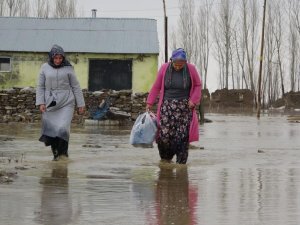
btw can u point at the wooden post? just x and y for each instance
(166, 31)
(261, 61)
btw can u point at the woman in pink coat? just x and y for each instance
(178, 85)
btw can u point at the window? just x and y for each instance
(5, 64)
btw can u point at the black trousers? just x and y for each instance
(58, 145)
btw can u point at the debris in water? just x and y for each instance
(91, 146)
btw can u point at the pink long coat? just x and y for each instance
(195, 96)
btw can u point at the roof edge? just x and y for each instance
(79, 18)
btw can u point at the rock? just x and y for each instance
(294, 119)
(29, 90)
(7, 176)
(21, 168)
(98, 93)
(5, 179)
(91, 146)
(11, 91)
(193, 147)
(6, 138)
(207, 120)
(118, 115)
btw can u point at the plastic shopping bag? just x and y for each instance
(144, 130)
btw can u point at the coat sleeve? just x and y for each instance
(40, 89)
(155, 90)
(197, 85)
(76, 89)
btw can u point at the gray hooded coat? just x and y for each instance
(59, 89)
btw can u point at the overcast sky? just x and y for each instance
(141, 9)
(132, 8)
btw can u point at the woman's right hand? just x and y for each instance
(148, 107)
(43, 108)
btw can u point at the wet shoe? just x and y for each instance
(55, 154)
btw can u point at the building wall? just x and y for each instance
(26, 66)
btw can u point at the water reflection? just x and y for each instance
(56, 204)
(176, 199)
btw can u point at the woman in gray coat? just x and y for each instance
(57, 91)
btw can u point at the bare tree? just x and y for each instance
(60, 9)
(223, 34)
(42, 9)
(187, 29)
(219, 55)
(270, 84)
(2, 8)
(173, 40)
(250, 34)
(65, 8)
(22, 8)
(203, 42)
(293, 14)
(295, 11)
(72, 9)
(241, 57)
(277, 32)
(12, 7)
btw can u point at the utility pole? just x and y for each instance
(166, 31)
(261, 60)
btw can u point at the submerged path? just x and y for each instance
(248, 173)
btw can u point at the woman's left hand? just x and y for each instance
(191, 104)
(81, 110)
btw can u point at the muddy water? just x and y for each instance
(248, 173)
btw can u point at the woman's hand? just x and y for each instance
(148, 107)
(43, 108)
(80, 110)
(191, 105)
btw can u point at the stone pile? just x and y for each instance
(290, 101)
(121, 100)
(236, 99)
(138, 104)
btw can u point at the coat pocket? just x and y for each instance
(51, 100)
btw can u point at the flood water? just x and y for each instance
(247, 174)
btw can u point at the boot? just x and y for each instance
(55, 153)
(63, 148)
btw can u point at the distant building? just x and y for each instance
(107, 53)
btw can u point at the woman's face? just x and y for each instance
(178, 64)
(57, 59)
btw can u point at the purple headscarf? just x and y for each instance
(178, 54)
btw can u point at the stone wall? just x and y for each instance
(18, 104)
